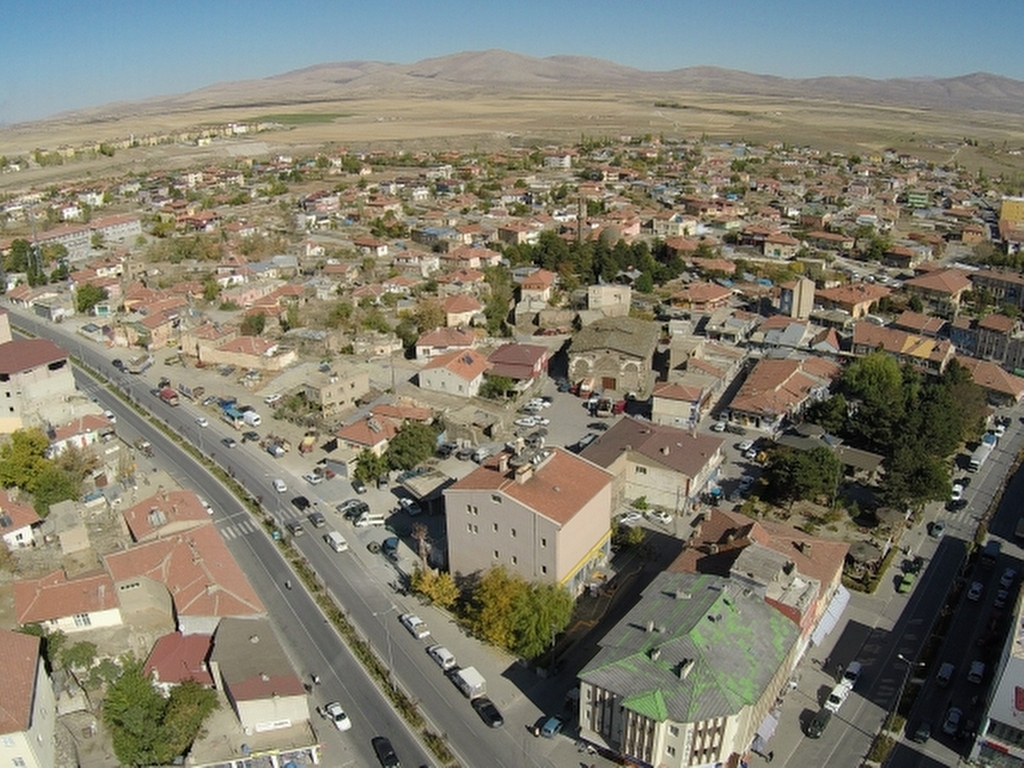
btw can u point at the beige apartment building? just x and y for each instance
(337, 391)
(545, 516)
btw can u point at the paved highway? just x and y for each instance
(313, 644)
(357, 579)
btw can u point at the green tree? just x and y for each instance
(877, 386)
(88, 296)
(22, 458)
(253, 324)
(497, 387)
(370, 466)
(793, 475)
(437, 586)
(132, 710)
(829, 414)
(493, 606)
(80, 656)
(188, 706)
(340, 315)
(146, 728)
(912, 476)
(428, 315)
(914, 303)
(414, 443)
(53, 485)
(543, 611)
(211, 290)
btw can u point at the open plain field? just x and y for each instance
(494, 101)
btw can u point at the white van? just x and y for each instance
(368, 519)
(336, 541)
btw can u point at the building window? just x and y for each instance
(543, 569)
(674, 730)
(671, 750)
(641, 470)
(18, 762)
(496, 554)
(543, 542)
(476, 529)
(469, 527)
(513, 531)
(495, 527)
(82, 620)
(496, 498)
(515, 560)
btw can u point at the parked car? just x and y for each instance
(353, 508)
(551, 728)
(250, 437)
(313, 478)
(660, 516)
(465, 453)
(957, 493)
(118, 363)
(446, 449)
(836, 698)
(301, 503)
(279, 485)
(936, 529)
(409, 506)
(974, 593)
(952, 723)
(906, 582)
(735, 429)
(718, 426)
(358, 486)
(923, 732)
(417, 627)
(336, 715)
(488, 712)
(1007, 579)
(445, 659)
(631, 518)
(852, 673)
(745, 446)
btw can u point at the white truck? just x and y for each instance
(252, 418)
(470, 682)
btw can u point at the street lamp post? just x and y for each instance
(906, 676)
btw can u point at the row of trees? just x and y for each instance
(502, 608)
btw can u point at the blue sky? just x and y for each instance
(57, 55)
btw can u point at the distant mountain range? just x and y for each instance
(493, 72)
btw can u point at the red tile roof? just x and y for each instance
(198, 571)
(54, 597)
(25, 354)
(19, 659)
(558, 489)
(161, 510)
(176, 658)
(467, 364)
(19, 512)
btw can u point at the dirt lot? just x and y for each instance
(526, 119)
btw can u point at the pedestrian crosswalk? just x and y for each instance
(239, 529)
